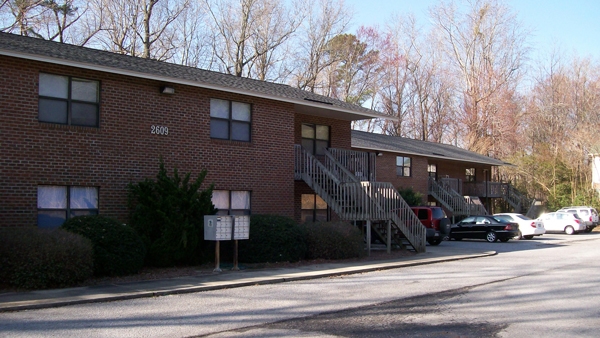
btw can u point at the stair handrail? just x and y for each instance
(369, 200)
(454, 202)
(335, 166)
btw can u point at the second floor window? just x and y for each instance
(432, 171)
(403, 165)
(230, 120)
(68, 100)
(315, 138)
(470, 174)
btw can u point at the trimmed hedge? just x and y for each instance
(273, 239)
(34, 258)
(118, 249)
(333, 240)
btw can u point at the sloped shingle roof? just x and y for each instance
(59, 53)
(380, 142)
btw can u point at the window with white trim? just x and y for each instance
(230, 120)
(403, 166)
(68, 100)
(56, 204)
(231, 202)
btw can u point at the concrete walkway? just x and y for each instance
(17, 301)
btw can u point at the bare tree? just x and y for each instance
(22, 16)
(487, 48)
(325, 19)
(139, 28)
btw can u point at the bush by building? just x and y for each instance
(168, 213)
(34, 258)
(273, 238)
(118, 249)
(333, 240)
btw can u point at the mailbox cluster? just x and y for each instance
(226, 228)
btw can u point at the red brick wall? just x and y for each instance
(386, 172)
(123, 150)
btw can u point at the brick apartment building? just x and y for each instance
(77, 125)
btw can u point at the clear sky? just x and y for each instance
(572, 26)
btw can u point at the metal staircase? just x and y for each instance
(454, 202)
(355, 200)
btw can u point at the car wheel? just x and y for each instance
(457, 238)
(435, 241)
(569, 230)
(504, 240)
(588, 230)
(491, 237)
(528, 237)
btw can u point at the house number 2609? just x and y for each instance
(159, 130)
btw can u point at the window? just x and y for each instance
(403, 166)
(314, 209)
(470, 174)
(432, 171)
(56, 204)
(315, 138)
(68, 100)
(231, 202)
(230, 120)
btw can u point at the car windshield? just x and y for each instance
(523, 217)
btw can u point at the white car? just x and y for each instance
(527, 227)
(589, 215)
(561, 221)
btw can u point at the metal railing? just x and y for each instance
(352, 200)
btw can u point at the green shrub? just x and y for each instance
(169, 214)
(118, 249)
(333, 240)
(273, 239)
(411, 197)
(34, 258)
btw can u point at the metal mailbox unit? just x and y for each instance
(218, 228)
(225, 228)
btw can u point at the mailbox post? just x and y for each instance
(217, 228)
(225, 228)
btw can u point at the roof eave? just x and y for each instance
(432, 156)
(338, 112)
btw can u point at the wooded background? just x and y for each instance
(468, 79)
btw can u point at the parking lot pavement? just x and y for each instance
(16, 301)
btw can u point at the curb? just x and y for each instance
(219, 285)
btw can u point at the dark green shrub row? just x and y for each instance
(33, 258)
(333, 240)
(118, 249)
(168, 213)
(273, 239)
(280, 239)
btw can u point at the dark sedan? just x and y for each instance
(489, 228)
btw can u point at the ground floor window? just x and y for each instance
(231, 202)
(56, 204)
(314, 209)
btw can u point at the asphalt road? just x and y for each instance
(546, 287)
